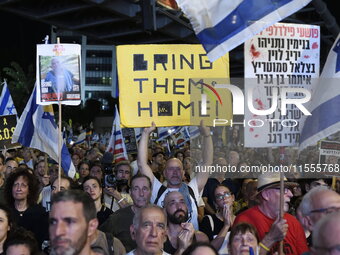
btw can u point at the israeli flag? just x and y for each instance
(37, 129)
(222, 25)
(164, 132)
(325, 103)
(6, 103)
(81, 138)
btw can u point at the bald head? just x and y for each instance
(233, 158)
(173, 161)
(221, 161)
(172, 196)
(174, 172)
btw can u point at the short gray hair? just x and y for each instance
(306, 205)
(138, 214)
(322, 226)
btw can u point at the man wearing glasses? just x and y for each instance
(317, 203)
(326, 236)
(265, 217)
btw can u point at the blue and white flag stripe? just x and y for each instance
(81, 138)
(6, 103)
(36, 128)
(117, 144)
(164, 132)
(325, 104)
(222, 25)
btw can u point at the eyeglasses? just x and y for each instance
(332, 250)
(326, 210)
(225, 195)
(319, 184)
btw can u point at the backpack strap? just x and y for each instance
(212, 225)
(161, 190)
(192, 194)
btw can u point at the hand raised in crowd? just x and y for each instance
(204, 130)
(148, 130)
(185, 236)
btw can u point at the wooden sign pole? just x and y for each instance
(282, 192)
(59, 134)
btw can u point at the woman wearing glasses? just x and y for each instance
(218, 225)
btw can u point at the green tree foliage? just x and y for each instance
(20, 84)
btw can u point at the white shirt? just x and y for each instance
(133, 253)
(46, 197)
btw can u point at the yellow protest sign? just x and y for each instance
(172, 85)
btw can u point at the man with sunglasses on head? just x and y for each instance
(265, 217)
(316, 204)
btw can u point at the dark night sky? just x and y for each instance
(19, 37)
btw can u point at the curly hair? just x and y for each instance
(33, 187)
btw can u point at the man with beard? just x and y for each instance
(265, 217)
(118, 224)
(174, 173)
(181, 233)
(73, 219)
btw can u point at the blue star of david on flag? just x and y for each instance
(48, 116)
(10, 109)
(36, 128)
(6, 103)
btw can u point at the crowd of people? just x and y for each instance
(159, 203)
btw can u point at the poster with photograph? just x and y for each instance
(58, 74)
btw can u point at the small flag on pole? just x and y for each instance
(6, 103)
(116, 145)
(36, 128)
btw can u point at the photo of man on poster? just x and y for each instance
(59, 74)
(61, 79)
